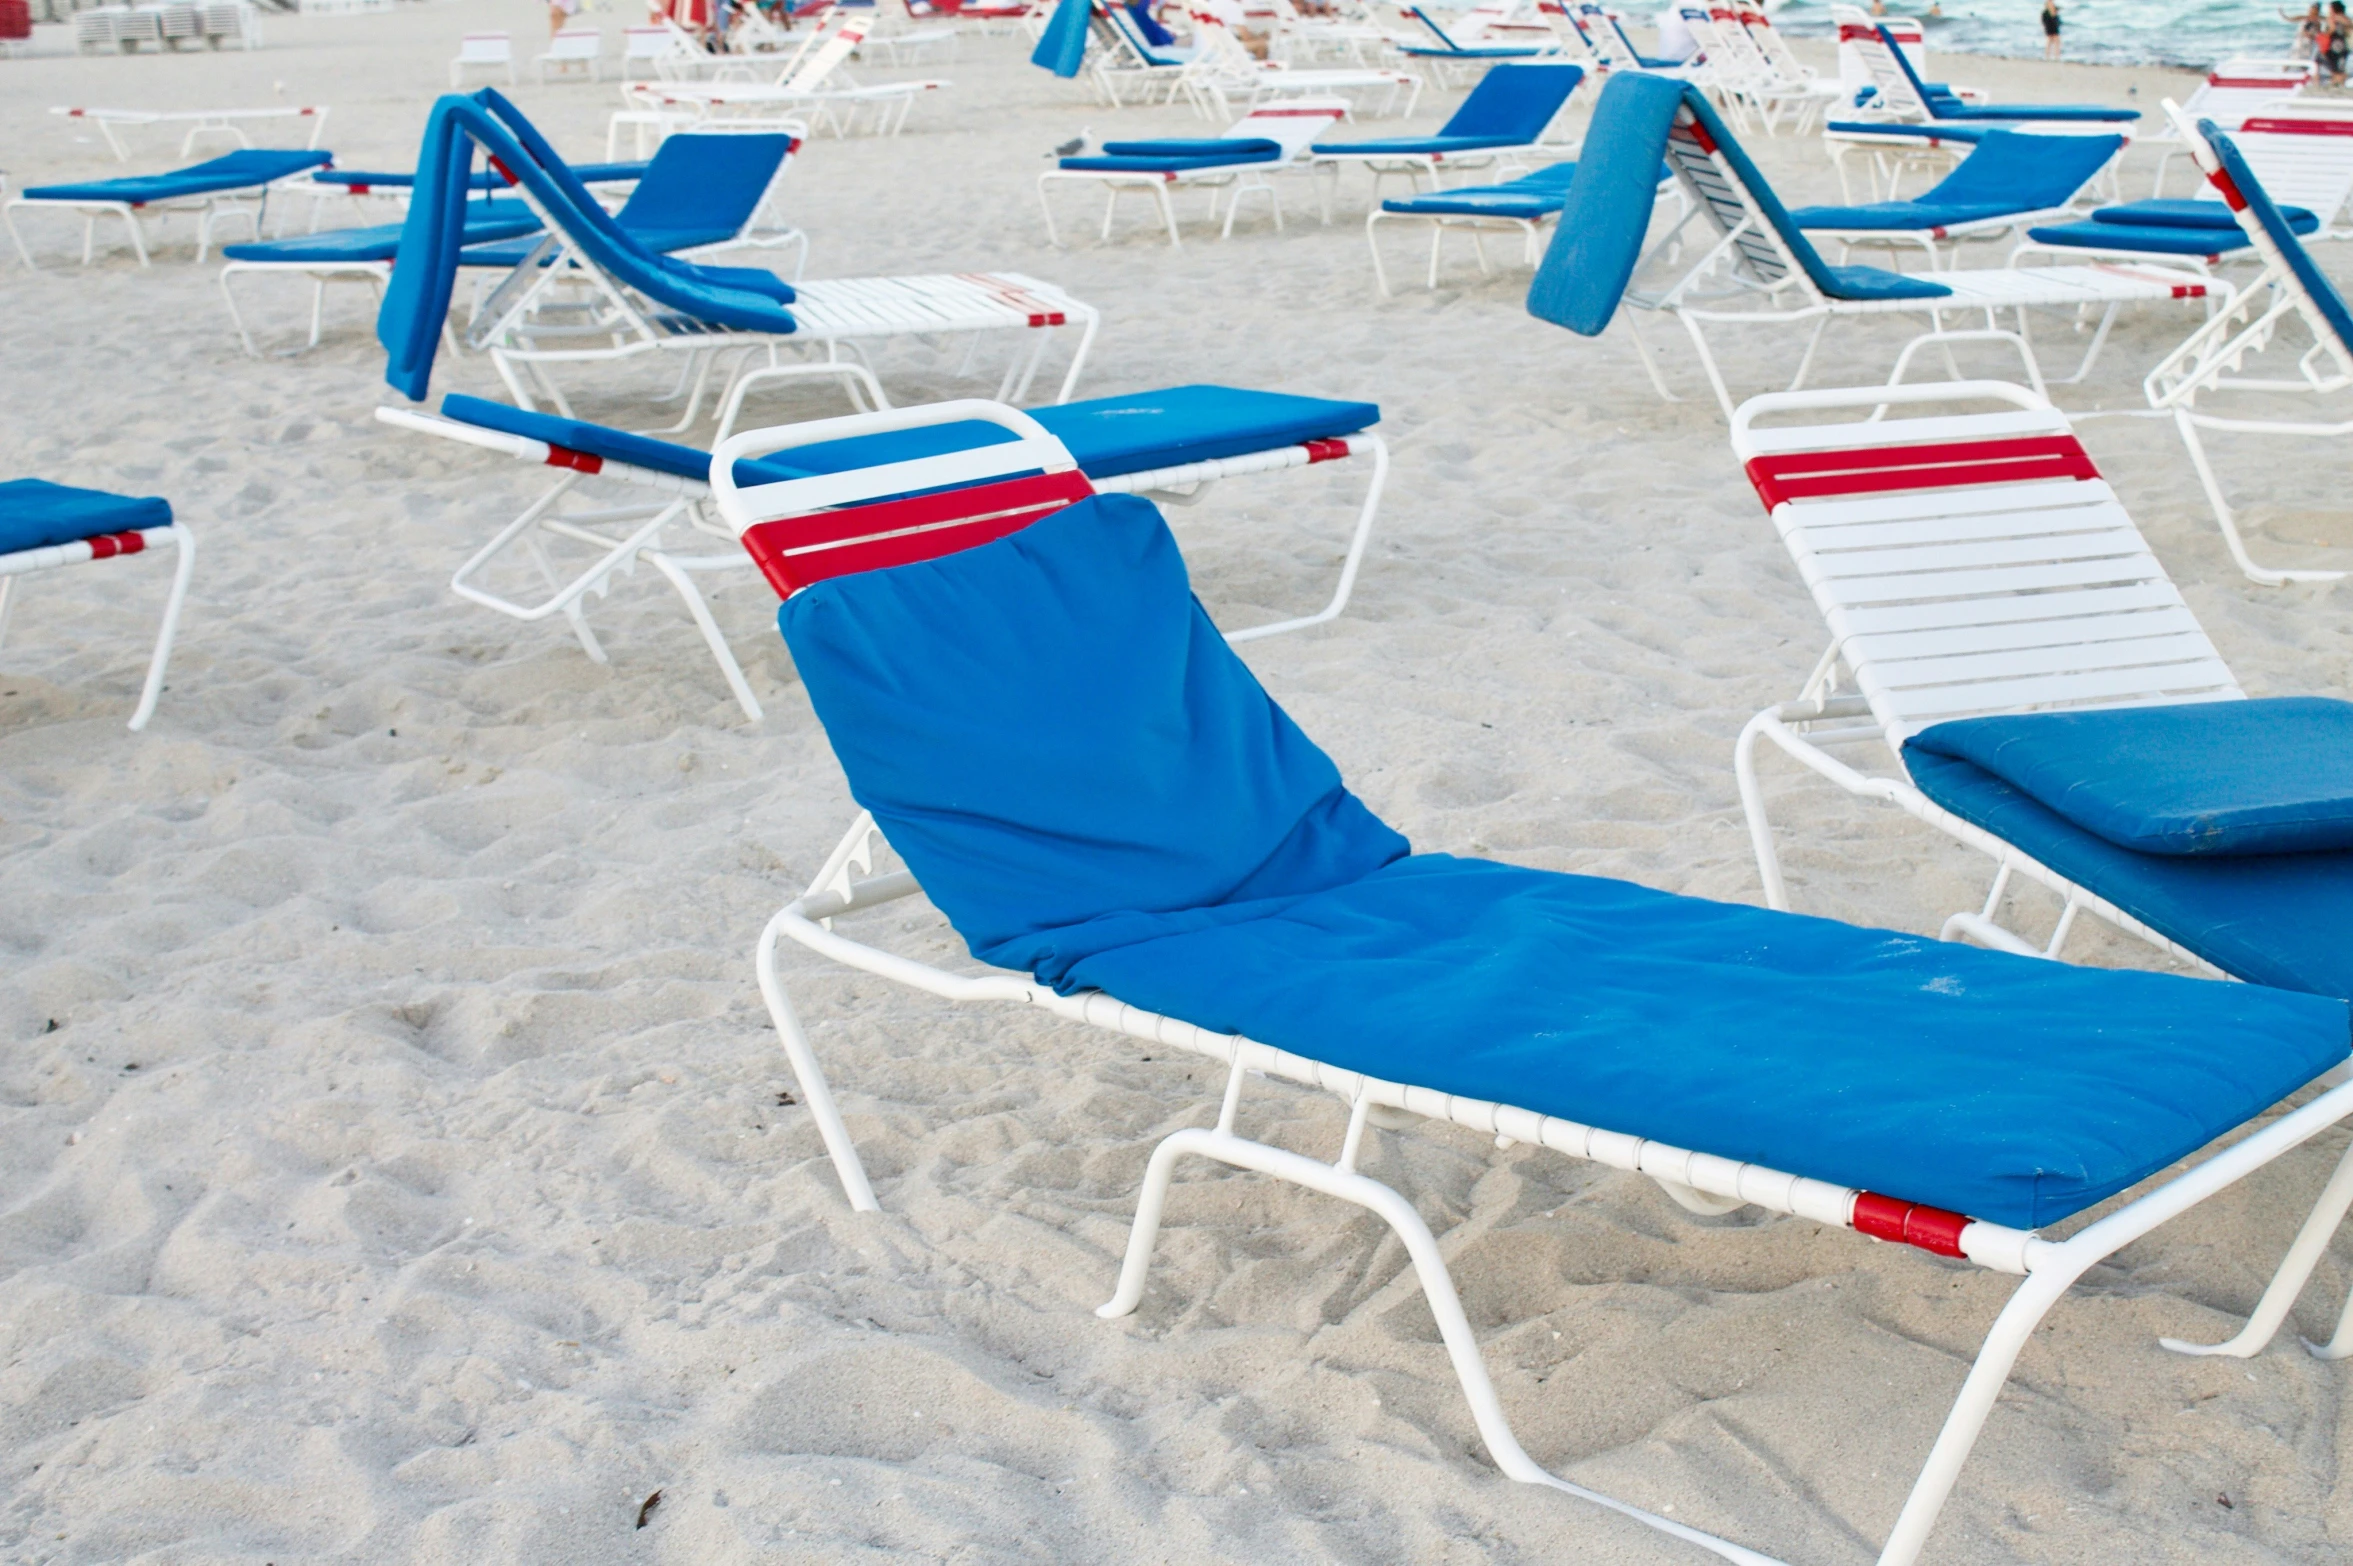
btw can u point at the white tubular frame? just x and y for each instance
(211, 209)
(52, 557)
(2209, 359)
(619, 553)
(1231, 180)
(200, 123)
(1750, 261)
(848, 884)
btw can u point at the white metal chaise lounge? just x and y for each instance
(2291, 290)
(1760, 267)
(1172, 444)
(597, 295)
(235, 185)
(1267, 140)
(47, 527)
(1180, 864)
(228, 124)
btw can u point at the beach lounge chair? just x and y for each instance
(1267, 140)
(1174, 443)
(815, 85)
(1506, 114)
(486, 52)
(1733, 70)
(2303, 161)
(361, 186)
(2231, 92)
(46, 527)
(573, 48)
(1986, 589)
(1522, 205)
(351, 255)
(224, 124)
(2291, 290)
(1221, 71)
(1436, 47)
(234, 186)
(2010, 179)
(598, 296)
(1759, 267)
(1123, 57)
(1181, 865)
(1904, 96)
(700, 194)
(1607, 35)
(645, 50)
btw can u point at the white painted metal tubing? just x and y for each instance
(2320, 1226)
(1454, 1328)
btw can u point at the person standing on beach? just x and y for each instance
(2310, 30)
(2335, 41)
(2051, 29)
(558, 13)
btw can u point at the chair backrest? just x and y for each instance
(1520, 101)
(1744, 55)
(2303, 159)
(585, 43)
(1292, 124)
(1972, 563)
(2024, 171)
(1772, 44)
(2237, 88)
(2287, 263)
(646, 43)
(1430, 24)
(805, 530)
(1123, 26)
(823, 60)
(1900, 93)
(486, 49)
(1568, 35)
(706, 182)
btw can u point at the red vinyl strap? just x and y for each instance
(1814, 475)
(2284, 84)
(1325, 451)
(1908, 1223)
(107, 545)
(1698, 133)
(2272, 125)
(793, 552)
(577, 461)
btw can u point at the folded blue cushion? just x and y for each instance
(35, 513)
(2156, 239)
(1226, 149)
(2268, 776)
(1962, 135)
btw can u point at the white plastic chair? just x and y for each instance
(574, 47)
(483, 51)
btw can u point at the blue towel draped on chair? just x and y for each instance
(1062, 47)
(1092, 787)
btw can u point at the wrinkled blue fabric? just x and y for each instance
(231, 171)
(2317, 286)
(2266, 776)
(1092, 786)
(1062, 47)
(2273, 919)
(35, 513)
(424, 272)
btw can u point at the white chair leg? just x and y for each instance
(2267, 576)
(185, 542)
(2295, 1270)
(721, 653)
(7, 596)
(1349, 565)
(814, 1092)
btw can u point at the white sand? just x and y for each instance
(391, 1161)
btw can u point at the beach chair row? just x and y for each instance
(122, 29)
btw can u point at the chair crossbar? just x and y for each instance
(1809, 475)
(795, 552)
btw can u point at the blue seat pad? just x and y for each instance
(1898, 216)
(2194, 214)
(1429, 52)
(1109, 436)
(1497, 201)
(35, 513)
(1416, 146)
(1190, 163)
(662, 241)
(2271, 919)
(1091, 786)
(483, 179)
(488, 220)
(2157, 239)
(239, 170)
(1225, 149)
(1945, 132)
(2027, 113)
(2268, 776)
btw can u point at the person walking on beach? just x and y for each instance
(2335, 41)
(2051, 29)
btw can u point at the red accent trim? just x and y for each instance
(1699, 135)
(107, 545)
(358, 188)
(1908, 1223)
(1325, 451)
(504, 172)
(2289, 82)
(2278, 125)
(1814, 475)
(791, 554)
(577, 461)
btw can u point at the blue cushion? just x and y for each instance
(2275, 919)
(2156, 239)
(35, 513)
(2194, 214)
(2273, 776)
(1417, 146)
(1599, 238)
(1225, 149)
(1239, 150)
(704, 183)
(1899, 216)
(1112, 436)
(483, 179)
(1422, 52)
(661, 241)
(239, 170)
(1062, 46)
(598, 440)
(486, 220)
(2274, 223)
(1092, 786)
(2085, 113)
(1962, 134)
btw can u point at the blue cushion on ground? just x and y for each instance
(2275, 919)
(1112, 436)
(231, 171)
(2194, 214)
(2157, 239)
(491, 220)
(35, 513)
(1091, 785)
(2272, 776)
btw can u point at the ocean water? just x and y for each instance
(2195, 33)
